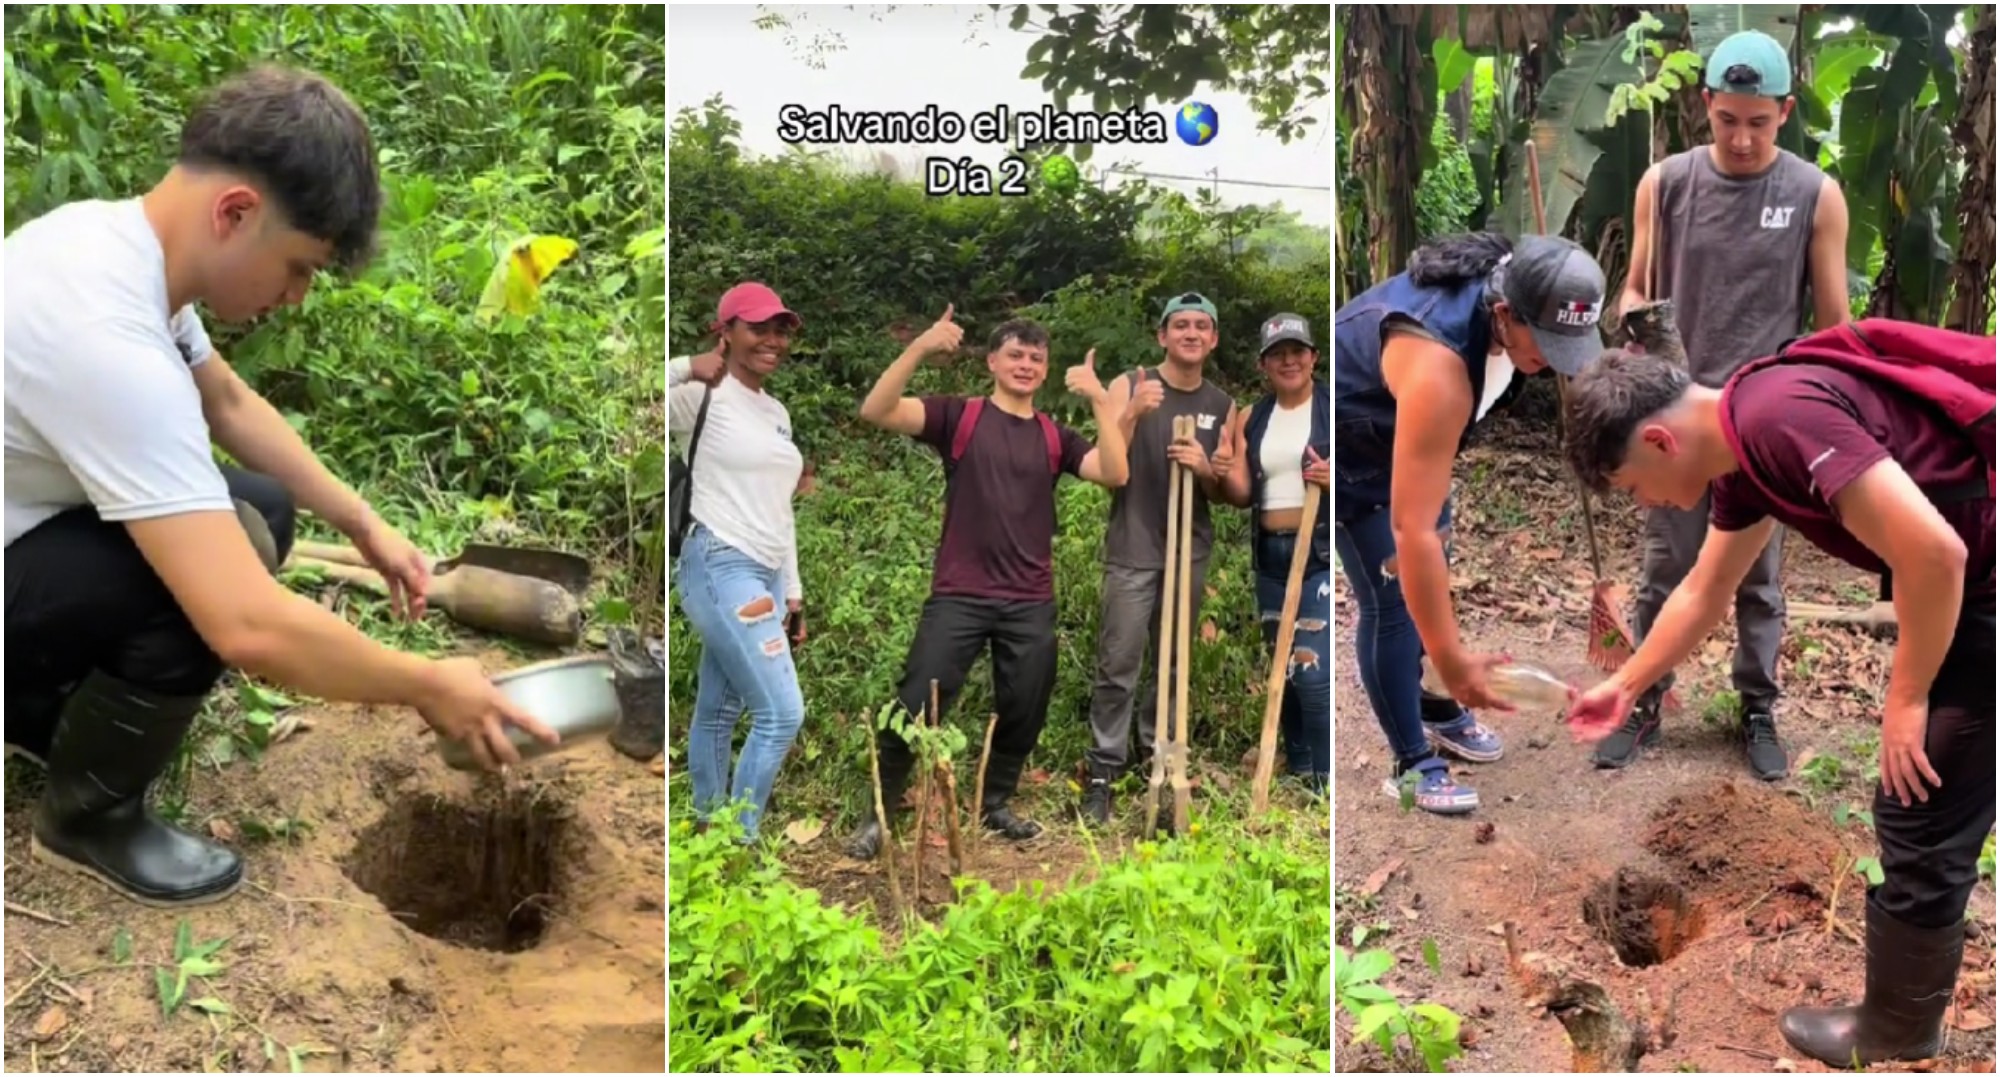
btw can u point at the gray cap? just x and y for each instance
(1558, 289)
(1282, 327)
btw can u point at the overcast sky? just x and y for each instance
(965, 60)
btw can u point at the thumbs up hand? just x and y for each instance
(1148, 394)
(1082, 380)
(1316, 469)
(944, 336)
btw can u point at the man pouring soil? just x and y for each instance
(136, 567)
(1874, 442)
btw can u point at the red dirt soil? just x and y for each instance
(1756, 866)
(428, 921)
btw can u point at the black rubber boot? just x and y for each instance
(1003, 776)
(1911, 974)
(641, 684)
(114, 739)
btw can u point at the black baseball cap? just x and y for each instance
(1279, 328)
(1557, 288)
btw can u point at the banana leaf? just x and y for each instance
(1570, 110)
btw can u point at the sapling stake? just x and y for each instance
(979, 785)
(923, 794)
(882, 820)
(950, 782)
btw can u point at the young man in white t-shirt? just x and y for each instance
(136, 567)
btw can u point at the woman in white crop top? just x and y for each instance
(738, 574)
(1280, 446)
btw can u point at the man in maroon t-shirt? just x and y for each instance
(992, 582)
(1898, 489)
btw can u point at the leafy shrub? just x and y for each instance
(1208, 953)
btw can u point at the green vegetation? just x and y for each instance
(492, 123)
(1206, 954)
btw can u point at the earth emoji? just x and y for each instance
(1195, 123)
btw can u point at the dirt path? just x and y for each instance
(424, 921)
(1726, 881)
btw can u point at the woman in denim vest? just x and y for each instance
(1420, 359)
(738, 574)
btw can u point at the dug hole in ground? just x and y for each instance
(1664, 914)
(420, 920)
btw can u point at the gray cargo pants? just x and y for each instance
(1128, 626)
(1673, 538)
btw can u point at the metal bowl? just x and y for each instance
(573, 696)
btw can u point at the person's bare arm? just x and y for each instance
(886, 406)
(1637, 287)
(1234, 487)
(1697, 605)
(1827, 258)
(1433, 403)
(252, 431)
(1889, 513)
(1221, 463)
(254, 623)
(1106, 465)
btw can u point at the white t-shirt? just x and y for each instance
(746, 468)
(1283, 452)
(101, 405)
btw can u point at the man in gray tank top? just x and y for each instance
(1135, 539)
(1735, 233)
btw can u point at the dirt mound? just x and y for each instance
(1737, 845)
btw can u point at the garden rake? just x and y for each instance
(1610, 638)
(1170, 711)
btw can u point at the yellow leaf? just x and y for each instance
(516, 283)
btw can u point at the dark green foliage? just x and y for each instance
(492, 122)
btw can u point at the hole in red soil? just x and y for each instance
(1646, 919)
(476, 876)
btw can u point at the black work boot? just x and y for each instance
(1911, 974)
(114, 739)
(1095, 806)
(1626, 743)
(866, 841)
(641, 684)
(1003, 776)
(1761, 745)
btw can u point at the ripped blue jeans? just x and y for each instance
(737, 606)
(1386, 640)
(1307, 715)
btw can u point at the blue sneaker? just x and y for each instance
(1436, 791)
(1468, 738)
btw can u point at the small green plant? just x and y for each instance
(1428, 1029)
(197, 962)
(1822, 775)
(1844, 811)
(1721, 709)
(1986, 858)
(1869, 868)
(1676, 69)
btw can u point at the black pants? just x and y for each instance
(1930, 850)
(950, 635)
(81, 597)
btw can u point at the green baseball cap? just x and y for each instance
(1751, 63)
(1189, 301)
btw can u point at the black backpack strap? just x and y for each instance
(700, 420)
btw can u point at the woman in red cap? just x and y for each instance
(738, 572)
